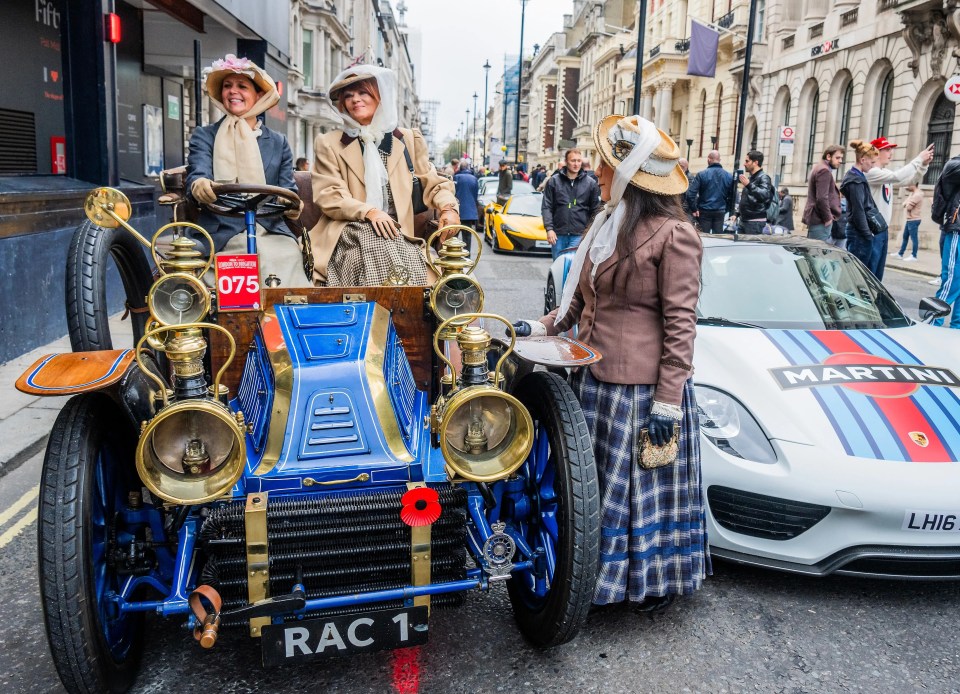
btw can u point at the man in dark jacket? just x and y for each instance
(949, 185)
(467, 191)
(861, 240)
(822, 208)
(505, 185)
(756, 196)
(709, 195)
(539, 174)
(570, 200)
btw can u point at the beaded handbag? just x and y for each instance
(650, 457)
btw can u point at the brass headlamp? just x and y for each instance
(456, 293)
(485, 433)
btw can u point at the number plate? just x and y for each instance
(354, 633)
(542, 244)
(936, 522)
(238, 282)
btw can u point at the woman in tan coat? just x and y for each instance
(632, 290)
(364, 186)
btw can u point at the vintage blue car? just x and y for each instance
(317, 468)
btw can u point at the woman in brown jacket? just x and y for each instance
(363, 184)
(635, 301)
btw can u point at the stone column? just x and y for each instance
(666, 107)
(646, 104)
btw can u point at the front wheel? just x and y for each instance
(549, 296)
(86, 478)
(561, 517)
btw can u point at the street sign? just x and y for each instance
(787, 137)
(951, 89)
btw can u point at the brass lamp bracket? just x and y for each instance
(420, 556)
(258, 556)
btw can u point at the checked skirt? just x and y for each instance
(653, 535)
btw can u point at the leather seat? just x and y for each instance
(310, 214)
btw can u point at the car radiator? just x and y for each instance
(349, 542)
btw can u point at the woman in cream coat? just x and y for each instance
(361, 174)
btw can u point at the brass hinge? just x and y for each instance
(354, 298)
(258, 556)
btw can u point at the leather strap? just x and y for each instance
(208, 623)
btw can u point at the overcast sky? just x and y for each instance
(459, 35)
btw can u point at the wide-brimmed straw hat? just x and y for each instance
(352, 77)
(232, 65)
(660, 173)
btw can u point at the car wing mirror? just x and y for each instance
(932, 308)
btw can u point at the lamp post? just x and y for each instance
(466, 134)
(638, 78)
(473, 137)
(689, 145)
(523, 15)
(503, 148)
(713, 142)
(486, 92)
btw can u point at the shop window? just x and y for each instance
(886, 105)
(308, 58)
(812, 128)
(940, 133)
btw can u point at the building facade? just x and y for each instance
(839, 70)
(328, 36)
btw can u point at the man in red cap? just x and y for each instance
(882, 180)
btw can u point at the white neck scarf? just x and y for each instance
(601, 240)
(384, 121)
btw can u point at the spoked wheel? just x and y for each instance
(88, 262)
(561, 520)
(550, 296)
(85, 482)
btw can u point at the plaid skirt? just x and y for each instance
(653, 530)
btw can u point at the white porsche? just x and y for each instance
(830, 420)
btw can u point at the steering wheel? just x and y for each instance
(235, 199)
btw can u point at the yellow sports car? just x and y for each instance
(516, 226)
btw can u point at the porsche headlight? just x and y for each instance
(731, 428)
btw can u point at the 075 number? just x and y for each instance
(235, 285)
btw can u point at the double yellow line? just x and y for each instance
(27, 500)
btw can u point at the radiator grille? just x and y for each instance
(255, 395)
(340, 543)
(757, 515)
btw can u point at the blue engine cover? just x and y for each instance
(329, 396)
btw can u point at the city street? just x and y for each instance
(747, 630)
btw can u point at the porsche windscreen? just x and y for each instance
(801, 287)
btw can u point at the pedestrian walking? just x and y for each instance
(467, 190)
(882, 181)
(710, 195)
(539, 174)
(758, 193)
(946, 213)
(571, 199)
(785, 218)
(589, 171)
(632, 290)
(866, 229)
(822, 209)
(911, 228)
(505, 184)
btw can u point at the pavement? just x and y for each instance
(25, 420)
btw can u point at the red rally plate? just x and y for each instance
(325, 637)
(238, 282)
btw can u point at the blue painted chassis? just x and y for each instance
(323, 366)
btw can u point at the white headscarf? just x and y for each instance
(384, 121)
(601, 240)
